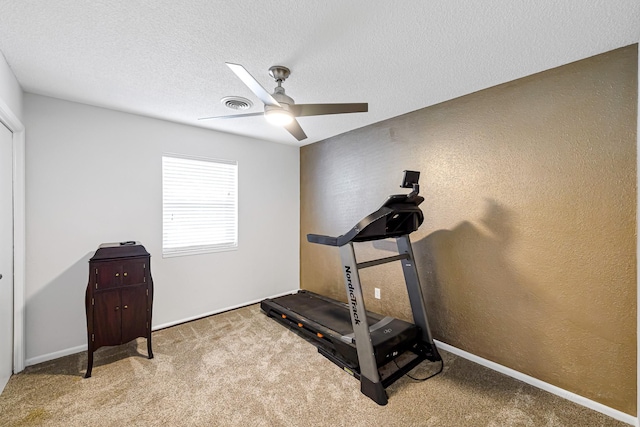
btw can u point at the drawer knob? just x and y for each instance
(117, 307)
(117, 274)
(126, 306)
(125, 274)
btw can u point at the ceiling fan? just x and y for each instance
(281, 109)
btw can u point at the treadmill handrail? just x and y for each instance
(322, 240)
(378, 225)
(351, 234)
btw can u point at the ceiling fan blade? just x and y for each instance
(295, 130)
(253, 84)
(301, 110)
(233, 116)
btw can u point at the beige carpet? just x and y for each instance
(241, 368)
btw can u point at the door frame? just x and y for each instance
(11, 121)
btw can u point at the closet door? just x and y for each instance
(6, 255)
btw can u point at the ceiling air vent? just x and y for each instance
(236, 103)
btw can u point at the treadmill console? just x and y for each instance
(410, 179)
(398, 215)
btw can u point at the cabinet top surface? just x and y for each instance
(119, 250)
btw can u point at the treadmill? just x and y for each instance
(373, 348)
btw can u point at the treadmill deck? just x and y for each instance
(327, 323)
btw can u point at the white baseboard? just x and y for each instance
(61, 353)
(55, 355)
(580, 400)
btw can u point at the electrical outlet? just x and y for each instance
(377, 293)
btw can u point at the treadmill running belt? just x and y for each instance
(332, 315)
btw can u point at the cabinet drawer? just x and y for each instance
(112, 274)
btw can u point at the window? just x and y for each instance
(199, 205)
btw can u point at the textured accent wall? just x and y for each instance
(528, 250)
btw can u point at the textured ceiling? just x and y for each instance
(166, 59)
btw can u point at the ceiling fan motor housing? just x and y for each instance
(281, 97)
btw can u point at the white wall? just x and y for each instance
(10, 90)
(94, 176)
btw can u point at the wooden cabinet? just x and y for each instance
(119, 297)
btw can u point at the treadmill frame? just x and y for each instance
(370, 381)
(398, 217)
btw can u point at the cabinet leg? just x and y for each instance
(149, 351)
(89, 364)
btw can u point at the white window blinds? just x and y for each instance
(199, 205)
